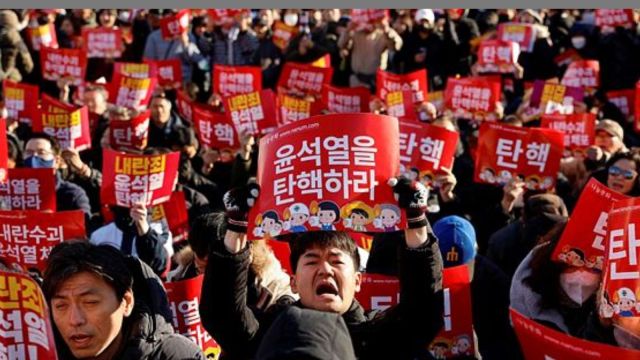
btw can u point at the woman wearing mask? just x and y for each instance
(555, 294)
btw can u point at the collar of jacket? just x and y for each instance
(355, 315)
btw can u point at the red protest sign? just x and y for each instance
(583, 239)
(53, 105)
(455, 339)
(232, 80)
(135, 70)
(579, 129)
(223, 16)
(473, 97)
(102, 42)
(131, 92)
(63, 63)
(252, 113)
(303, 78)
(131, 134)
(185, 106)
(428, 148)
(614, 17)
(215, 130)
(71, 129)
(184, 300)
(621, 282)
(539, 342)
(623, 99)
(400, 105)
(304, 161)
(169, 73)
(368, 16)
(636, 107)
(21, 100)
(292, 108)
(27, 237)
(498, 56)
(43, 36)
(29, 189)
(129, 179)
(508, 151)
(4, 151)
(582, 73)
(27, 331)
(283, 34)
(552, 98)
(175, 25)
(523, 34)
(346, 100)
(173, 214)
(416, 82)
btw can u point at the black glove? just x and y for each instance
(237, 203)
(413, 197)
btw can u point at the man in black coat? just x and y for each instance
(326, 278)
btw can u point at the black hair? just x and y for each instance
(360, 212)
(72, 257)
(207, 230)
(302, 242)
(271, 215)
(330, 206)
(55, 146)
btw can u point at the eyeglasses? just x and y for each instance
(616, 171)
(39, 152)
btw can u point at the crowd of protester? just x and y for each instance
(505, 234)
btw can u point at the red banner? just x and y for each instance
(473, 97)
(252, 113)
(623, 99)
(508, 151)
(43, 36)
(184, 299)
(346, 100)
(129, 135)
(582, 73)
(63, 63)
(173, 214)
(579, 129)
(71, 129)
(24, 315)
(29, 189)
(400, 105)
(102, 42)
(553, 98)
(223, 16)
(539, 342)
(416, 82)
(305, 161)
(233, 80)
(455, 339)
(21, 100)
(621, 282)
(303, 78)
(614, 17)
(215, 130)
(130, 179)
(429, 148)
(4, 151)
(283, 34)
(583, 240)
(175, 25)
(292, 108)
(27, 237)
(131, 92)
(523, 34)
(135, 70)
(185, 106)
(497, 56)
(368, 16)
(169, 73)
(636, 107)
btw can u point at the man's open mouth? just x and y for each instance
(326, 288)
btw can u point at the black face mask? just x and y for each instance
(122, 219)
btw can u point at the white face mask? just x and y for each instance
(291, 19)
(624, 338)
(579, 285)
(578, 42)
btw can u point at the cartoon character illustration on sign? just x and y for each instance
(626, 303)
(572, 256)
(387, 217)
(296, 216)
(268, 225)
(324, 215)
(439, 348)
(357, 215)
(488, 175)
(462, 346)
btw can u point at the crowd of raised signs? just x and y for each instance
(523, 124)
